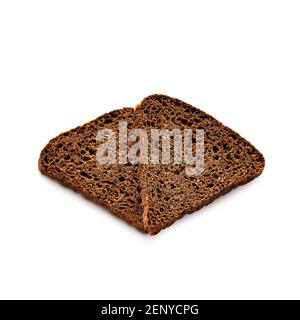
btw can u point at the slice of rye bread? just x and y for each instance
(70, 158)
(167, 191)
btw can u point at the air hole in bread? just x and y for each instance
(85, 174)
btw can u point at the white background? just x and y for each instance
(63, 63)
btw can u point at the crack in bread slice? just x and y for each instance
(167, 191)
(70, 158)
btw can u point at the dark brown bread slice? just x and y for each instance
(70, 158)
(167, 191)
